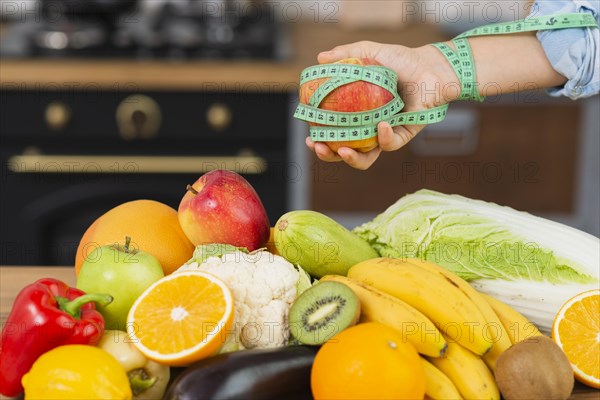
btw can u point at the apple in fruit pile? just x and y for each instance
(222, 207)
(121, 271)
(353, 97)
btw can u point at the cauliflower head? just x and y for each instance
(264, 286)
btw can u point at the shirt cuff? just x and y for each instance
(573, 53)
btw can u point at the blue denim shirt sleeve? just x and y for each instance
(574, 53)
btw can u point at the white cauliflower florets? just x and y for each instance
(263, 286)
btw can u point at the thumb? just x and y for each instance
(328, 57)
(362, 49)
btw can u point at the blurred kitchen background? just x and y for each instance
(105, 101)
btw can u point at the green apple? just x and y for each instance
(121, 271)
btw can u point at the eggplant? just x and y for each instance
(247, 374)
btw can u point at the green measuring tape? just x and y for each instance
(342, 126)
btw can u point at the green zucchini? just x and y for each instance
(320, 245)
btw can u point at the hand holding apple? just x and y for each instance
(222, 207)
(353, 97)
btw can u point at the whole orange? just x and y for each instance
(270, 245)
(152, 226)
(367, 361)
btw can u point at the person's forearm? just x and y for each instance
(503, 64)
(510, 63)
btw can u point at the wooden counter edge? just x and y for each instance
(14, 278)
(126, 75)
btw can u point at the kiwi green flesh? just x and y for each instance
(322, 311)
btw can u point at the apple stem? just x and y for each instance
(127, 243)
(190, 188)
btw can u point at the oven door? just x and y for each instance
(55, 184)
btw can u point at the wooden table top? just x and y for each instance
(13, 279)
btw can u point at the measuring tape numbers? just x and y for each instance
(331, 126)
(338, 126)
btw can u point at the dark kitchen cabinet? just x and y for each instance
(69, 156)
(519, 154)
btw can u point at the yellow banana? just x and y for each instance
(517, 326)
(497, 349)
(494, 329)
(432, 294)
(378, 306)
(437, 384)
(468, 372)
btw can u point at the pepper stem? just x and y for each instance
(139, 381)
(73, 307)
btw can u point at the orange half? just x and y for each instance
(181, 318)
(576, 329)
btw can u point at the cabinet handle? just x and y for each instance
(218, 116)
(82, 164)
(457, 135)
(138, 117)
(57, 115)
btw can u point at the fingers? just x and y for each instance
(322, 151)
(349, 156)
(389, 140)
(364, 49)
(358, 160)
(392, 139)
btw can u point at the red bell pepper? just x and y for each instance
(46, 314)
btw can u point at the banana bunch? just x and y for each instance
(459, 332)
(378, 306)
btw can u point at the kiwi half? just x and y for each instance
(322, 311)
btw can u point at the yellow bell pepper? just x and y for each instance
(76, 372)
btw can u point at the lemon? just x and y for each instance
(76, 371)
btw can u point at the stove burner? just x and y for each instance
(166, 32)
(82, 35)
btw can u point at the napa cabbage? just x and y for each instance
(531, 263)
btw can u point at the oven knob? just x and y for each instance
(57, 115)
(138, 117)
(218, 116)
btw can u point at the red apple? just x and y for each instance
(353, 97)
(222, 207)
